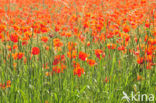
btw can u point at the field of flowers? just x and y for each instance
(77, 51)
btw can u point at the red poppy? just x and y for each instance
(44, 39)
(57, 42)
(139, 77)
(56, 69)
(24, 43)
(56, 61)
(111, 46)
(121, 48)
(91, 62)
(14, 38)
(140, 60)
(1, 85)
(1, 36)
(83, 56)
(57, 28)
(2, 28)
(76, 64)
(143, 1)
(35, 50)
(78, 71)
(88, 43)
(58, 58)
(106, 80)
(71, 46)
(99, 53)
(8, 83)
(72, 54)
(20, 55)
(149, 66)
(126, 28)
(15, 47)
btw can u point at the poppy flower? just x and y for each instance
(72, 54)
(2, 28)
(20, 55)
(14, 38)
(68, 34)
(147, 24)
(15, 47)
(99, 53)
(35, 50)
(8, 83)
(71, 46)
(149, 51)
(143, 1)
(44, 29)
(82, 37)
(149, 58)
(78, 71)
(9, 47)
(57, 42)
(63, 66)
(111, 46)
(139, 77)
(15, 55)
(45, 66)
(83, 56)
(27, 35)
(106, 80)
(121, 48)
(44, 39)
(3, 86)
(16, 27)
(1, 36)
(127, 37)
(88, 43)
(149, 66)
(126, 28)
(56, 61)
(24, 43)
(0, 85)
(25, 60)
(140, 60)
(91, 62)
(56, 69)
(75, 64)
(47, 48)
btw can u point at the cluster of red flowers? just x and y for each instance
(58, 65)
(35, 50)
(83, 56)
(18, 55)
(113, 26)
(77, 69)
(5, 85)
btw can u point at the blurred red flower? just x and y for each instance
(14, 38)
(35, 50)
(83, 56)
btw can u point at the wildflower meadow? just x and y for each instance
(77, 51)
